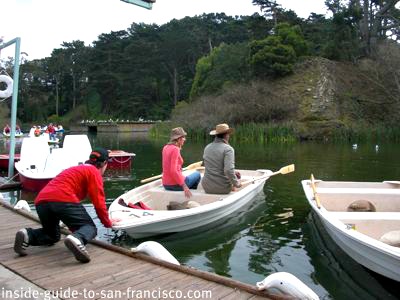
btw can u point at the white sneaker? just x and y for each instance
(21, 242)
(77, 248)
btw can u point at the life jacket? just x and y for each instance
(137, 205)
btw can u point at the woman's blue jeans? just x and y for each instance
(192, 181)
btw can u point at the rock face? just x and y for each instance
(339, 96)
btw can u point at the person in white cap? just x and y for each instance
(219, 162)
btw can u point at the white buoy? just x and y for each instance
(355, 146)
(22, 204)
(287, 284)
(157, 250)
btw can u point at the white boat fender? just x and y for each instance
(9, 86)
(287, 284)
(23, 205)
(157, 250)
(391, 238)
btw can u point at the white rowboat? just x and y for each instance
(363, 218)
(209, 208)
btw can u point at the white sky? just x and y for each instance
(43, 25)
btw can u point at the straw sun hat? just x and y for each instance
(176, 133)
(221, 128)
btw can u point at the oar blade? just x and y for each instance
(287, 169)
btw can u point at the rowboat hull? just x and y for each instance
(119, 159)
(358, 232)
(142, 223)
(4, 160)
(33, 184)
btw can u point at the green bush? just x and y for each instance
(226, 65)
(275, 55)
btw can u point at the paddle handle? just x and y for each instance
(244, 183)
(150, 178)
(314, 188)
(194, 166)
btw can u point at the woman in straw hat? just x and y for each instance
(172, 162)
(219, 161)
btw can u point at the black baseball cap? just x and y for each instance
(98, 155)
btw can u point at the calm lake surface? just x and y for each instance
(277, 231)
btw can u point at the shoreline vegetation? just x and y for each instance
(263, 133)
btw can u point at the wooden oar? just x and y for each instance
(283, 171)
(316, 196)
(192, 166)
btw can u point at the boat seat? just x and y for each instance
(359, 191)
(178, 196)
(365, 215)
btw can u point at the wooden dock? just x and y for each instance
(113, 270)
(9, 184)
(114, 126)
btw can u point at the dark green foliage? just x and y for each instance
(292, 35)
(275, 55)
(226, 65)
(273, 59)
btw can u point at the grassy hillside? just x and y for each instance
(322, 99)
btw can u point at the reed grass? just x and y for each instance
(263, 133)
(376, 133)
(245, 133)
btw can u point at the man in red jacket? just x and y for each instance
(60, 200)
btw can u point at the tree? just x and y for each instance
(226, 65)
(270, 8)
(276, 55)
(372, 19)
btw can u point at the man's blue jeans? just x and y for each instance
(192, 181)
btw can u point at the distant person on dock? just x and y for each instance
(172, 161)
(7, 129)
(220, 176)
(18, 129)
(60, 201)
(52, 131)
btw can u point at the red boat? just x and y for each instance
(120, 159)
(4, 159)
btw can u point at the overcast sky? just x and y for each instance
(44, 24)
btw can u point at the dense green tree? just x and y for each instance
(224, 66)
(369, 21)
(276, 55)
(270, 57)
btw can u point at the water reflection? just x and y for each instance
(342, 276)
(274, 232)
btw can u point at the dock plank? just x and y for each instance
(111, 268)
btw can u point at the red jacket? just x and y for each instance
(75, 184)
(172, 162)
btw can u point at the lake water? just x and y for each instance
(277, 231)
